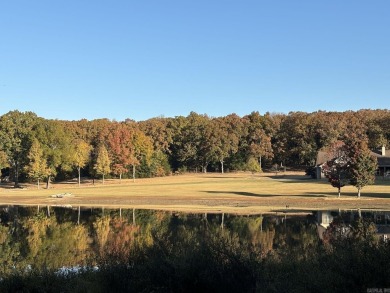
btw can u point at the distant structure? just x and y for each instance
(382, 155)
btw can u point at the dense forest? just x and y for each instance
(34, 148)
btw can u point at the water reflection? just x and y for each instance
(53, 237)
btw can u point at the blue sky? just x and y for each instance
(141, 59)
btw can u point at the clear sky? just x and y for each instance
(138, 59)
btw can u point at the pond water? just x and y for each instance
(38, 237)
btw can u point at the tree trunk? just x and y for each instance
(48, 182)
(16, 175)
(79, 170)
(205, 168)
(339, 185)
(120, 177)
(358, 192)
(260, 162)
(133, 217)
(38, 183)
(222, 167)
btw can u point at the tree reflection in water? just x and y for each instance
(187, 252)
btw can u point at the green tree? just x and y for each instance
(103, 162)
(253, 165)
(55, 139)
(81, 155)
(37, 167)
(3, 161)
(15, 138)
(159, 165)
(142, 149)
(196, 144)
(363, 164)
(225, 138)
(258, 141)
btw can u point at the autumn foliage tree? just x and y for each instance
(37, 167)
(120, 147)
(103, 162)
(352, 162)
(337, 168)
(196, 142)
(81, 155)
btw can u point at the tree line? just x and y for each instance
(35, 148)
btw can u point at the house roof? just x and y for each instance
(326, 154)
(322, 157)
(383, 161)
(379, 153)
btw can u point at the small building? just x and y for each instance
(382, 155)
(326, 154)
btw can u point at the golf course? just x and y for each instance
(241, 193)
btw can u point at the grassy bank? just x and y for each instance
(231, 192)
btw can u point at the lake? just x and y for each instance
(63, 240)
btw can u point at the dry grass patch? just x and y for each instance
(241, 192)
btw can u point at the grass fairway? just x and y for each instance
(232, 193)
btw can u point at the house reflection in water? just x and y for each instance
(324, 219)
(381, 219)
